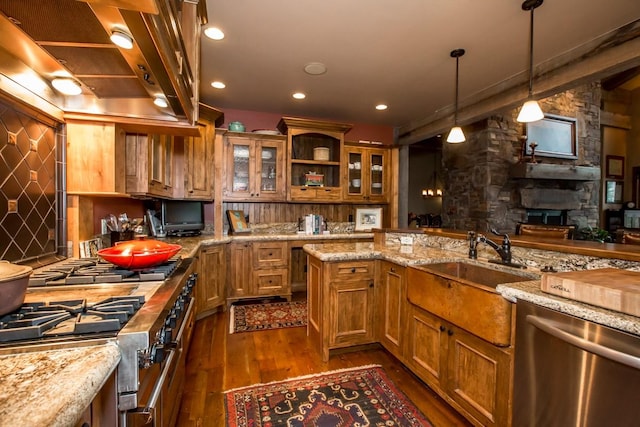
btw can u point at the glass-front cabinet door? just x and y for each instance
(270, 170)
(255, 168)
(366, 177)
(354, 173)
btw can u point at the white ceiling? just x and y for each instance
(383, 51)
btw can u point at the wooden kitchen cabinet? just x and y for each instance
(303, 138)
(210, 288)
(198, 164)
(366, 174)
(391, 296)
(340, 298)
(258, 269)
(95, 159)
(471, 374)
(255, 166)
(149, 164)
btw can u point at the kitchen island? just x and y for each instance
(456, 330)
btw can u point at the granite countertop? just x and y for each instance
(53, 388)
(528, 290)
(190, 245)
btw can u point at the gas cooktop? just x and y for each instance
(78, 271)
(68, 318)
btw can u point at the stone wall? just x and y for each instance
(479, 191)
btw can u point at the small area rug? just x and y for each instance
(362, 396)
(259, 317)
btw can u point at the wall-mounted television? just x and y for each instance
(181, 217)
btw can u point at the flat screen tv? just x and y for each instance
(181, 217)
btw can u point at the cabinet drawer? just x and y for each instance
(352, 270)
(271, 254)
(271, 282)
(316, 193)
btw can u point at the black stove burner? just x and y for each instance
(68, 318)
(93, 270)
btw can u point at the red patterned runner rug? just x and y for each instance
(259, 317)
(362, 396)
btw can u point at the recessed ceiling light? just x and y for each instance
(315, 68)
(122, 39)
(299, 95)
(214, 33)
(67, 86)
(381, 107)
(160, 102)
(218, 85)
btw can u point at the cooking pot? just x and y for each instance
(236, 127)
(13, 285)
(139, 254)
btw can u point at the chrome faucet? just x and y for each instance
(504, 250)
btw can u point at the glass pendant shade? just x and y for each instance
(530, 112)
(456, 135)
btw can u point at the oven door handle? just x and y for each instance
(617, 356)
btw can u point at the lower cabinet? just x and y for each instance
(258, 269)
(391, 295)
(210, 288)
(340, 298)
(471, 374)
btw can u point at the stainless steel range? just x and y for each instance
(149, 313)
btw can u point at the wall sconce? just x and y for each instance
(67, 86)
(530, 111)
(122, 39)
(456, 135)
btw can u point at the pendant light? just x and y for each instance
(456, 135)
(530, 111)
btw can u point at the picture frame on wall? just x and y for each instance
(554, 136)
(237, 222)
(614, 167)
(368, 219)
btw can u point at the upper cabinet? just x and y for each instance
(95, 159)
(149, 164)
(254, 166)
(198, 157)
(314, 149)
(366, 174)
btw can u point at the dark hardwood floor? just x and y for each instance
(218, 361)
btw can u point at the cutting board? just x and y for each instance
(610, 288)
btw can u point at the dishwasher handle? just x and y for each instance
(586, 345)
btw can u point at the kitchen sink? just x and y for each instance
(465, 295)
(475, 274)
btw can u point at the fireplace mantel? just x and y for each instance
(554, 172)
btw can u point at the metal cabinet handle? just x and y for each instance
(586, 345)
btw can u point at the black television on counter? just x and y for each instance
(182, 217)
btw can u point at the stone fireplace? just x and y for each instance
(488, 184)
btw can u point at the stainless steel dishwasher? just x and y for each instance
(572, 372)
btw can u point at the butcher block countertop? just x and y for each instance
(53, 388)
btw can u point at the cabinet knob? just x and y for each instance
(303, 189)
(442, 328)
(353, 269)
(371, 285)
(270, 254)
(449, 332)
(393, 270)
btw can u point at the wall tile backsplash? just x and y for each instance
(27, 186)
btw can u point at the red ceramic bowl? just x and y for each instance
(139, 254)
